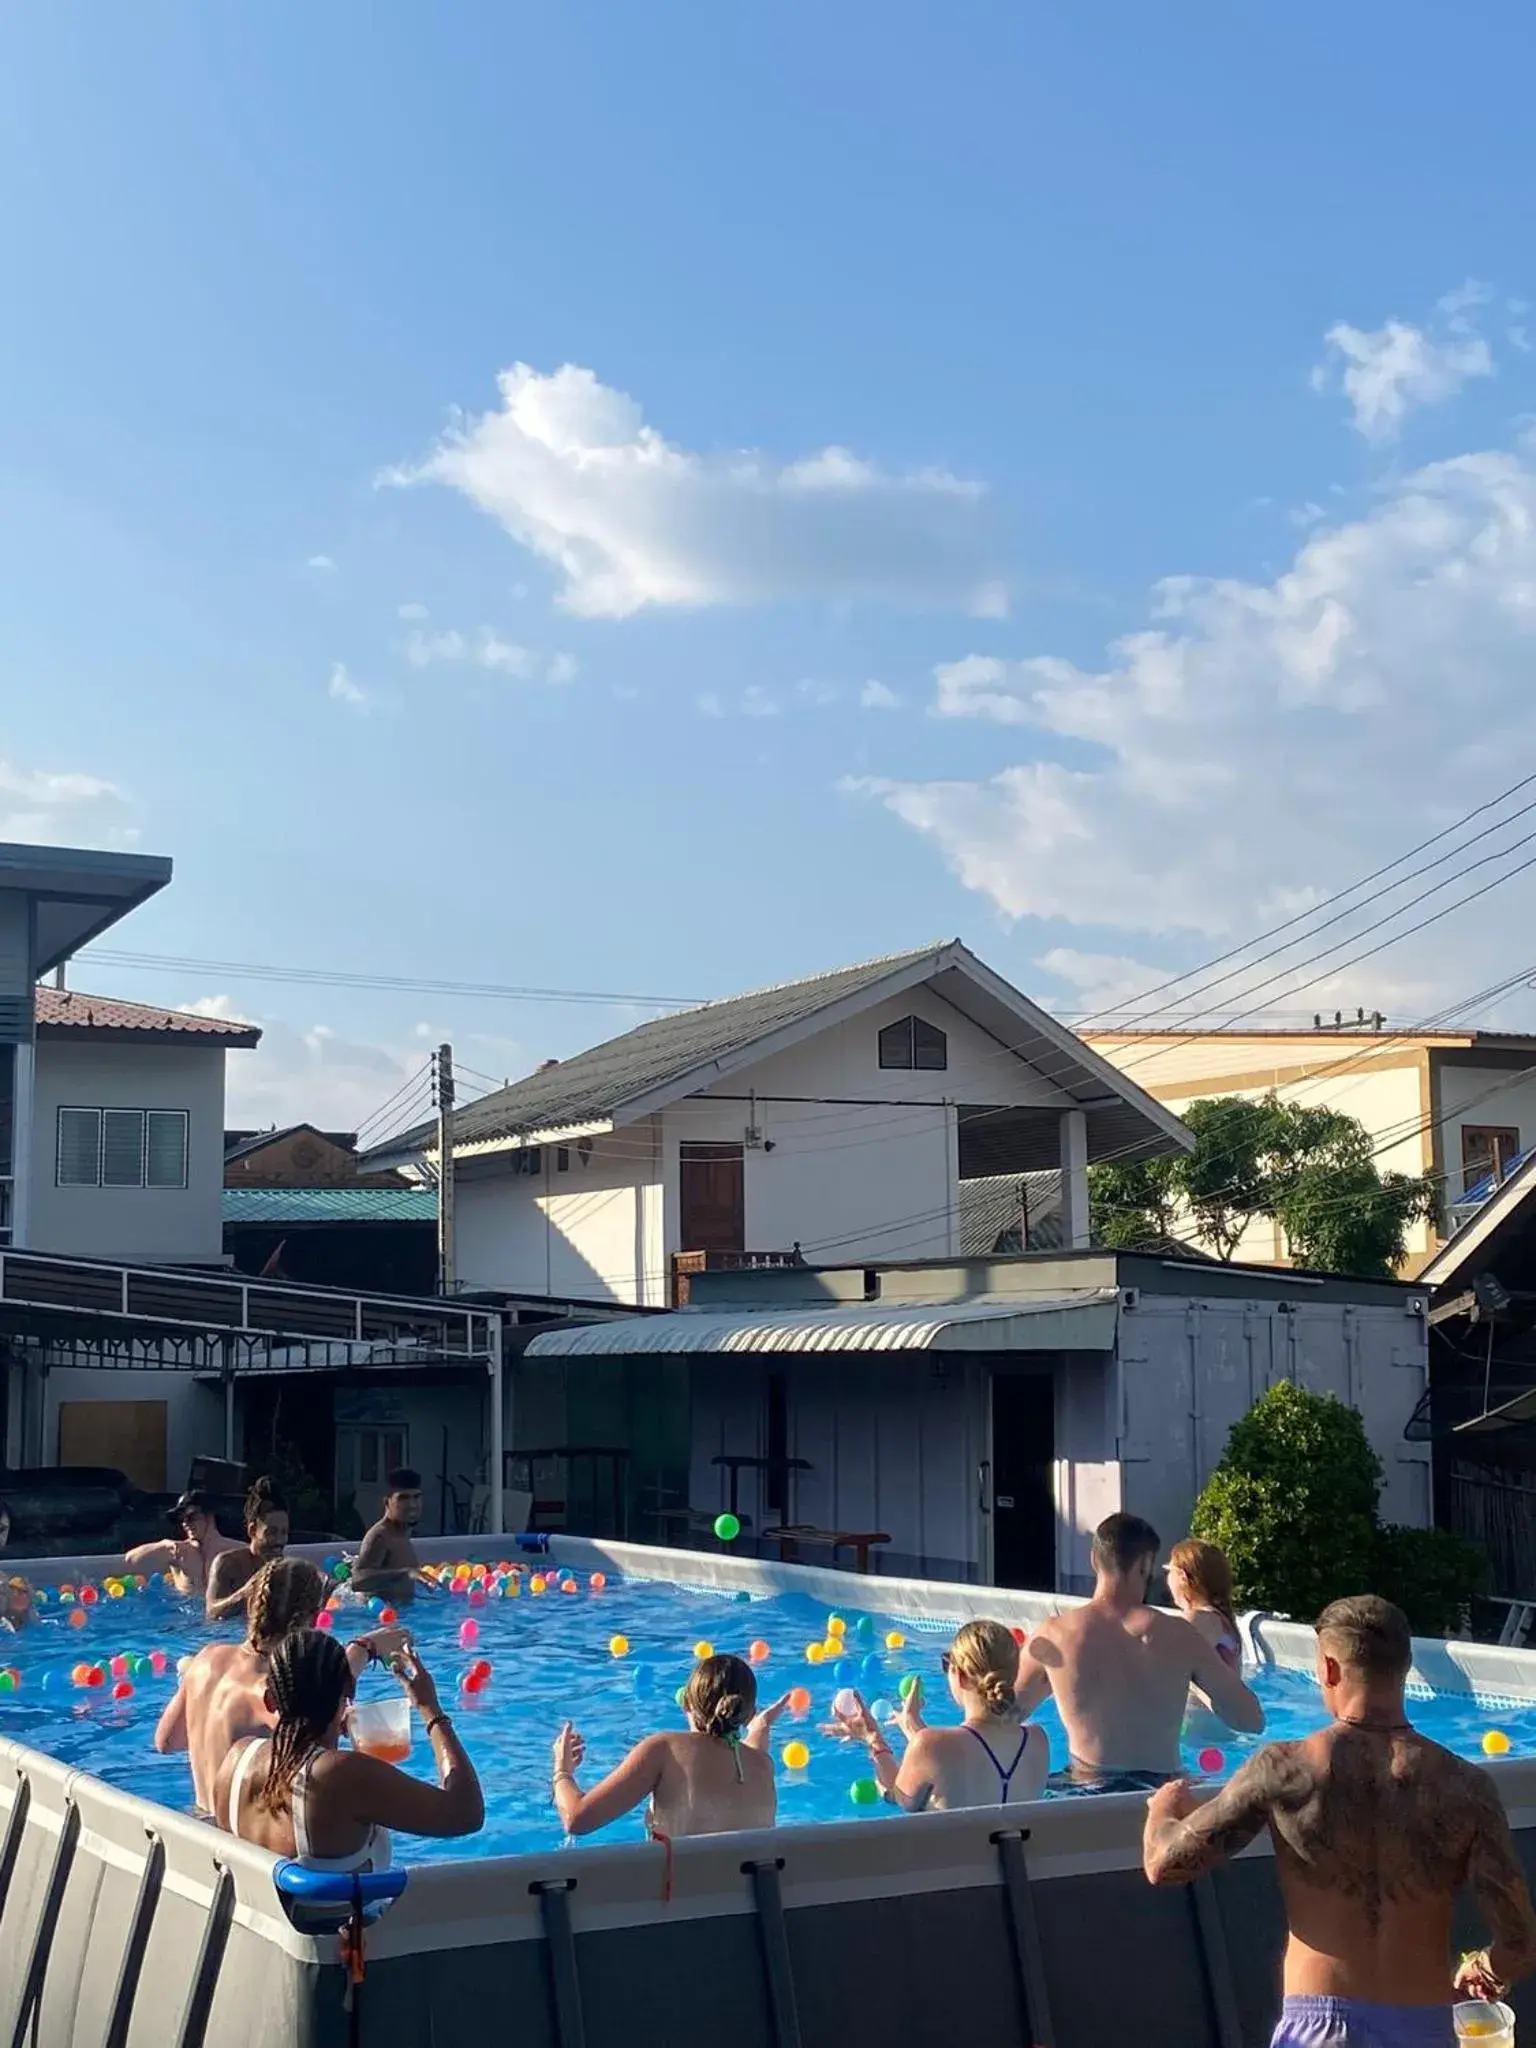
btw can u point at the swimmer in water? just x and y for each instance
(266, 1530)
(297, 1792)
(187, 1562)
(16, 1608)
(991, 1759)
(715, 1777)
(222, 1693)
(387, 1565)
(1200, 1586)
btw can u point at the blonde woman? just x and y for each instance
(991, 1759)
(1200, 1585)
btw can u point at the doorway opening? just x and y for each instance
(1023, 1481)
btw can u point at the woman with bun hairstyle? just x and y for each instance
(715, 1776)
(266, 1532)
(991, 1759)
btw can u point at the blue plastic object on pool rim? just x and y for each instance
(340, 1888)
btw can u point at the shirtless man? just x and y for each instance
(222, 1694)
(187, 1562)
(266, 1530)
(1375, 1831)
(1121, 1671)
(387, 1564)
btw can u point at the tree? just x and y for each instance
(1293, 1505)
(1310, 1169)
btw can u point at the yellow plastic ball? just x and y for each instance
(815, 1653)
(832, 1649)
(836, 1626)
(703, 1650)
(796, 1756)
(618, 1646)
(1496, 1743)
(895, 1640)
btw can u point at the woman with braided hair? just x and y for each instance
(297, 1792)
(221, 1696)
(991, 1759)
(715, 1777)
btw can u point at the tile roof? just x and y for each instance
(291, 1206)
(592, 1085)
(69, 1009)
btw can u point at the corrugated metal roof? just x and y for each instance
(1080, 1321)
(330, 1205)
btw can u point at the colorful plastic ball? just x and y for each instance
(343, 1572)
(864, 1630)
(1496, 1743)
(123, 1690)
(815, 1653)
(95, 1676)
(701, 1650)
(77, 1618)
(845, 1702)
(8, 1681)
(325, 1621)
(472, 1683)
(895, 1640)
(89, 1596)
(115, 1589)
(908, 1685)
(836, 1626)
(845, 1672)
(832, 1647)
(481, 1669)
(375, 1605)
(1211, 1761)
(618, 1646)
(183, 1665)
(79, 1674)
(158, 1662)
(799, 1699)
(119, 1666)
(759, 1651)
(388, 1616)
(477, 1596)
(643, 1678)
(537, 1583)
(469, 1634)
(1020, 1636)
(727, 1527)
(795, 1756)
(881, 1710)
(597, 1581)
(742, 1597)
(864, 1792)
(680, 1695)
(872, 1670)
(569, 1586)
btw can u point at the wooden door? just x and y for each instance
(712, 1199)
(127, 1436)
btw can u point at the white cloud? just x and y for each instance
(572, 471)
(1100, 981)
(412, 611)
(1257, 745)
(488, 650)
(345, 690)
(758, 702)
(877, 696)
(562, 669)
(322, 564)
(494, 652)
(709, 704)
(1388, 371)
(63, 807)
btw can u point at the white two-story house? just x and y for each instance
(833, 1119)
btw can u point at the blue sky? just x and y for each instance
(573, 685)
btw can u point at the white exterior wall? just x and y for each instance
(1088, 1479)
(593, 1232)
(194, 1413)
(156, 1225)
(1482, 1095)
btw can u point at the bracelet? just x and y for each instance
(881, 1749)
(569, 1777)
(438, 1721)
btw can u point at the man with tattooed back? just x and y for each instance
(1375, 1831)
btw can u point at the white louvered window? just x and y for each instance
(165, 1148)
(122, 1148)
(79, 1148)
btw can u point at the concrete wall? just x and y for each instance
(592, 1232)
(424, 1413)
(194, 1414)
(1471, 1094)
(1089, 1482)
(148, 1224)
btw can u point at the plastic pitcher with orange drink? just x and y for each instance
(382, 1729)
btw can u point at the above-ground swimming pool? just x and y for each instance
(552, 1658)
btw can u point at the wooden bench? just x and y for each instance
(789, 1537)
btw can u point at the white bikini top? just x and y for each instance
(374, 1853)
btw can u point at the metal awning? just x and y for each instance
(1083, 1320)
(1509, 1415)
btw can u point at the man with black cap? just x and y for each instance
(186, 1561)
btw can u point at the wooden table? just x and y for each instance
(790, 1536)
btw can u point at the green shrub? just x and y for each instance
(1432, 1575)
(1293, 1503)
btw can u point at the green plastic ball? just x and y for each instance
(727, 1527)
(864, 1792)
(908, 1685)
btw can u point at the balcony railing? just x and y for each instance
(686, 1264)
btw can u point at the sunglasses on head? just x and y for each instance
(946, 1663)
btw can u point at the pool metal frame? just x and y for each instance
(125, 1925)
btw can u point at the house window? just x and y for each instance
(528, 1164)
(1487, 1149)
(914, 1043)
(562, 1159)
(122, 1148)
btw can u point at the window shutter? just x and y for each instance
(930, 1048)
(165, 1148)
(79, 1148)
(122, 1148)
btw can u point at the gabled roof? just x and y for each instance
(660, 1062)
(1481, 1238)
(238, 1144)
(61, 1011)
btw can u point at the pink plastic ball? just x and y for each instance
(1211, 1761)
(469, 1634)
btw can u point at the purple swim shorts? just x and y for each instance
(1349, 2023)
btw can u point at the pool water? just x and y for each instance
(551, 1661)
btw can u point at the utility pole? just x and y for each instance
(442, 1081)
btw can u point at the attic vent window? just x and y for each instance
(914, 1043)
